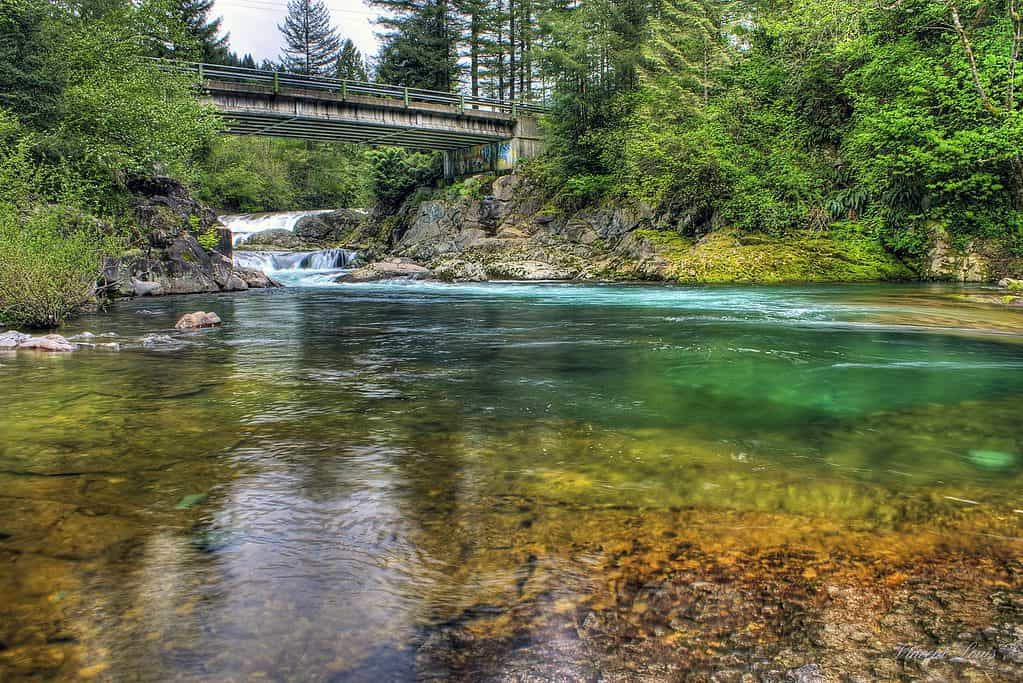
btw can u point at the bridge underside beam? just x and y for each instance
(353, 132)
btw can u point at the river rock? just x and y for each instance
(460, 271)
(275, 238)
(528, 270)
(51, 342)
(388, 269)
(256, 279)
(12, 339)
(143, 288)
(331, 226)
(191, 321)
(1010, 283)
(157, 340)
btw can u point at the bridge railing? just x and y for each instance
(280, 79)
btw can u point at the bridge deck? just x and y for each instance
(257, 102)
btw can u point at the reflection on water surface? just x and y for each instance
(520, 482)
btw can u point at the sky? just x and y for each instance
(253, 25)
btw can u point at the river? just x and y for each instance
(519, 482)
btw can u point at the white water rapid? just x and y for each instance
(244, 225)
(290, 268)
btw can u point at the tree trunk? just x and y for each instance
(511, 49)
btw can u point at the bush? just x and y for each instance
(397, 173)
(48, 266)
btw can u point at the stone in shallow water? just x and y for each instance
(992, 460)
(191, 321)
(11, 339)
(51, 342)
(190, 500)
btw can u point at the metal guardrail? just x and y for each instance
(344, 88)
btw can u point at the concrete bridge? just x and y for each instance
(476, 134)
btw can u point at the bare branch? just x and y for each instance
(1017, 39)
(964, 39)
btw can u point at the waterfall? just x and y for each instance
(302, 268)
(243, 225)
(277, 261)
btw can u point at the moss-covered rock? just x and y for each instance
(730, 256)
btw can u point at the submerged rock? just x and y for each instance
(199, 319)
(51, 342)
(156, 340)
(992, 460)
(388, 269)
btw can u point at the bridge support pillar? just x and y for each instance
(527, 142)
(449, 164)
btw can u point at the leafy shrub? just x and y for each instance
(396, 173)
(209, 239)
(49, 263)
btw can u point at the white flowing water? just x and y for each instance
(244, 225)
(290, 268)
(299, 268)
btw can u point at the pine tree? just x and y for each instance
(420, 49)
(685, 54)
(199, 37)
(312, 44)
(350, 64)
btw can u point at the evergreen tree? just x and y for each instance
(311, 42)
(199, 37)
(27, 83)
(420, 49)
(685, 54)
(350, 63)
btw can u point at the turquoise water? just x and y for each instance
(420, 481)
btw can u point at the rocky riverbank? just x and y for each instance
(183, 249)
(487, 228)
(501, 229)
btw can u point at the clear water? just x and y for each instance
(516, 482)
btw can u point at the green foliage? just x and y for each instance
(799, 115)
(396, 173)
(350, 63)
(86, 113)
(264, 174)
(49, 263)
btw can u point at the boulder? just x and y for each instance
(199, 319)
(528, 270)
(143, 288)
(460, 271)
(276, 238)
(256, 279)
(332, 226)
(12, 339)
(156, 340)
(51, 342)
(388, 269)
(1011, 283)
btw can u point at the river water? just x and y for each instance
(519, 482)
